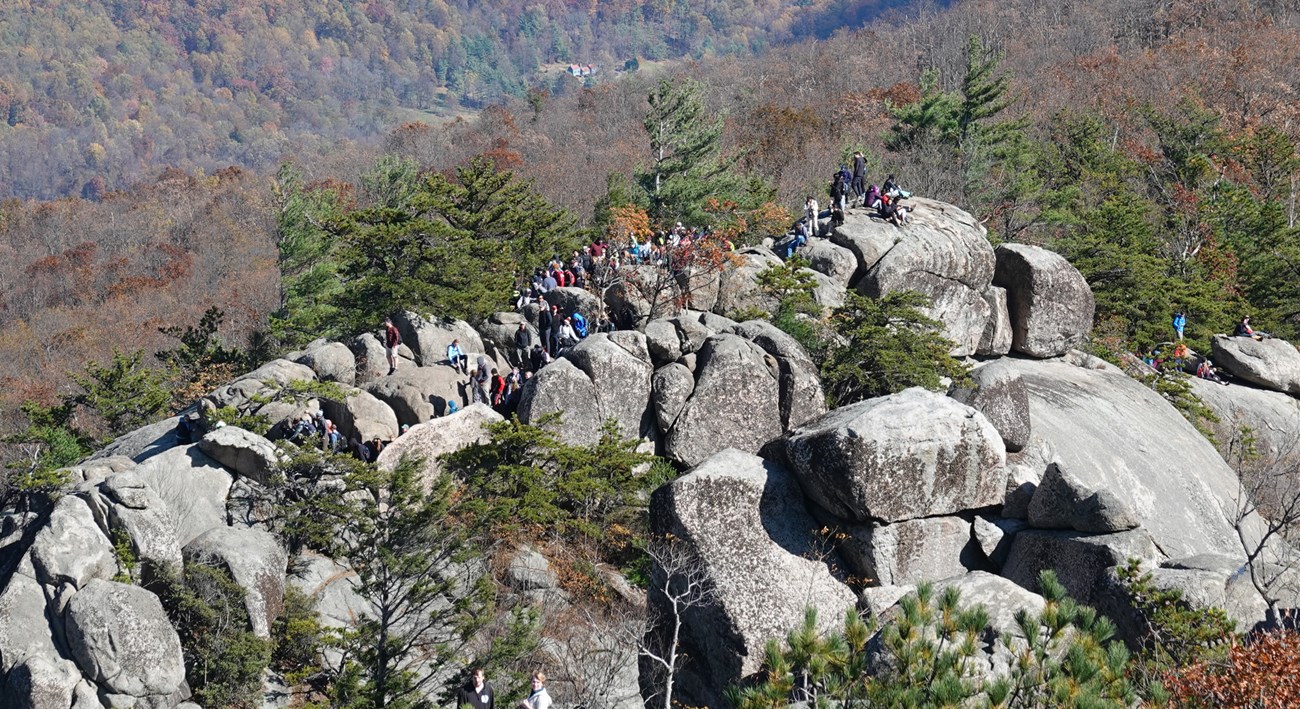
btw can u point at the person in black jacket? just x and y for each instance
(523, 344)
(477, 693)
(545, 325)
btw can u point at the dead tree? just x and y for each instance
(679, 584)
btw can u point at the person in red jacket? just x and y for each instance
(392, 339)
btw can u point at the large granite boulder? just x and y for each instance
(661, 341)
(362, 415)
(1050, 303)
(370, 356)
(125, 502)
(144, 442)
(802, 398)
(944, 255)
(1063, 501)
(435, 438)
(606, 376)
(738, 289)
(827, 291)
(417, 394)
(70, 548)
(41, 683)
(576, 300)
(831, 259)
(122, 639)
(561, 387)
(498, 333)
(428, 336)
(1270, 363)
(671, 387)
(255, 560)
(1115, 434)
(904, 456)
(331, 361)
(244, 452)
(193, 486)
(735, 402)
(997, 391)
(910, 551)
(743, 520)
(1081, 561)
(333, 587)
(25, 630)
(1272, 417)
(866, 238)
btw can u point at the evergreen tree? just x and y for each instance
(309, 279)
(124, 394)
(884, 346)
(412, 555)
(686, 164)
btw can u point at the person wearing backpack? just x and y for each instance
(580, 325)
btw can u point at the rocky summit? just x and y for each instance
(1042, 458)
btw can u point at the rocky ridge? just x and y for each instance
(1047, 458)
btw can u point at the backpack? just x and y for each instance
(579, 325)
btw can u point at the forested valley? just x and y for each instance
(97, 96)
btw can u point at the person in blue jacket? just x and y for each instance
(1180, 322)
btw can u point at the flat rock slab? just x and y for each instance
(1117, 435)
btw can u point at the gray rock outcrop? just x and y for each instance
(193, 486)
(41, 683)
(997, 391)
(944, 255)
(1270, 363)
(802, 398)
(122, 639)
(743, 520)
(331, 361)
(428, 336)
(910, 551)
(443, 435)
(125, 502)
(1063, 501)
(576, 300)
(735, 402)
(417, 394)
(362, 415)
(255, 561)
(1081, 561)
(1050, 303)
(143, 443)
(907, 455)
(244, 452)
(998, 333)
(606, 376)
(1272, 417)
(25, 630)
(70, 548)
(671, 387)
(831, 259)
(1116, 434)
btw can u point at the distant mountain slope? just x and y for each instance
(95, 94)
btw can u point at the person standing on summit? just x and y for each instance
(859, 183)
(392, 339)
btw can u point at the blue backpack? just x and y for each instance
(579, 324)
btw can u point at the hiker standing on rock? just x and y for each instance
(392, 338)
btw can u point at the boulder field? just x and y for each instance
(1044, 458)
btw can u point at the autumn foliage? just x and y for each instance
(1261, 673)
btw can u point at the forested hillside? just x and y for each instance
(94, 95)
(1151, 143)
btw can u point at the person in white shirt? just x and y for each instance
(538, 698)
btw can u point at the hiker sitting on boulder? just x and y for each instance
(1244, 330)
(1205, 370)
(457, 358)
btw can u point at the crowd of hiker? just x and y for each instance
(1176, 356)
(849, 188)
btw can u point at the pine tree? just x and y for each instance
(686, 163)
(307, 260)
